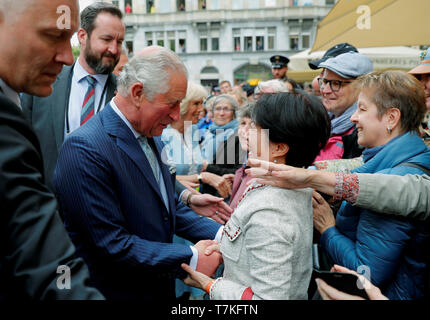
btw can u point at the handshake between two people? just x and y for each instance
(208, 262)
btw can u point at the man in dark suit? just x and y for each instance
(101, 35)
(35, 249)
(118, 198)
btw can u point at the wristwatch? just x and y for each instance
(199, 176)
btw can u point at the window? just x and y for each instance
(129, 46)
(215, 44)
(115, 3)
(202, 4)
(259, 45)
(270, 3)
(271, 32)
(150, 7)
(248, 43)
(329, 2)
(182, 45)
(180, 5)
(305, 41)
(148, 37)
(172, 40)
(236, 43)
(294, 42)
(203, 44)
(182, 41)
(128, 6)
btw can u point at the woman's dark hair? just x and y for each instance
(297, 119)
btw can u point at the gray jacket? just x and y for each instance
(407, 195)
(266, 245)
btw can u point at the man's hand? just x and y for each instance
(329, 293)
(323, 215)
(212, 207)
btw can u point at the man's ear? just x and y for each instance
(82, 36)
(136, 93)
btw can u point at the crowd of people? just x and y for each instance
(146, 185)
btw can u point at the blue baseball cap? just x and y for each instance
(349, 65)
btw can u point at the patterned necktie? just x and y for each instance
(87, 110)
(150, 155)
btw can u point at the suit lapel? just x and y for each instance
(165, 170)
(60, 98)
(126, 141)
(111, 87)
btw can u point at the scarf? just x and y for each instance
(342, 123)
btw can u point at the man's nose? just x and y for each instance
(64, 53)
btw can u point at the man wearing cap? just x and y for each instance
(331, 53)
(422, 73)
(340, 99)
(279, 67)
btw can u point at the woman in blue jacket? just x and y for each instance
(392, 251)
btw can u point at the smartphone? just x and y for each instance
(344, 282)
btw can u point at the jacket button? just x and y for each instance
(166, 218)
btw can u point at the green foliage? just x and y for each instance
(76, 51)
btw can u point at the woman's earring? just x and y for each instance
(389, 129)
(275, 161)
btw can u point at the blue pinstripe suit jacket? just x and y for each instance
(115, 215)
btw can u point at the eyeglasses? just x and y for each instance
(225, 109)
(335, 85)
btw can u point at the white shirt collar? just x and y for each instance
(123, 118)
(80, 73)
(10, 93)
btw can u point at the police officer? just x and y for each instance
(279, 67)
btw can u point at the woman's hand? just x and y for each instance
(279, 175)
(283, 176)
(323, 215)
(194, 278)
(188, 182)
(219, 183)
(329, 293)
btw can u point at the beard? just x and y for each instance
(96, 61)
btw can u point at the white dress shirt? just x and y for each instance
(78, 90)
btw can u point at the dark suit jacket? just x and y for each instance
(33, 240)
(115, 215)
(47, 116)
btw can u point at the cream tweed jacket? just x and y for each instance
(267, 246)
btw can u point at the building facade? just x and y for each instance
(222, 39)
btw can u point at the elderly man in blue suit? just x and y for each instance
(118, 198)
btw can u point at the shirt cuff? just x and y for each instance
(180, 196)
(218, 235)
(346, 187)
(194, 258)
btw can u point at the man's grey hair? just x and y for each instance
(13, 8)
(90, 13)
(153, 70)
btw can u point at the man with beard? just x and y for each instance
(81, 90)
